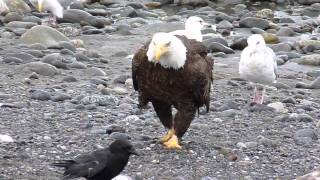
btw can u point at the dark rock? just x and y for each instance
(115, 128)
(208, 41)
(93, 31)
(250, 22)
(314, 85)
(81, 57)
(67, 45)
(119, 135)
(80, 16)
(69, 79)
(60, 97)
(40, 95)
(40, 68)
(55, 59)
(20, 55)
(12, 60)
(304, 118)
(98, 81)
(20, 24)
(217, 47)
(305, 137)
(239, 44)
(12, 16)
(290, 100)
(285, 31)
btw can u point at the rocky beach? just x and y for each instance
(68, 90)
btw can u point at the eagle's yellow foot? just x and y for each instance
(172, 143)
(167, 137)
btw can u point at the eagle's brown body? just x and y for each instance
(187, 88)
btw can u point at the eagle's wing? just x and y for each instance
(88, 165)
(139, 57)
(201, 67)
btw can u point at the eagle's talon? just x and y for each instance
(167, 137)
(173, 143)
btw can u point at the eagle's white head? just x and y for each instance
(256, 40)
(168, 50)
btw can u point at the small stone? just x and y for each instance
(270, 38)
(229, 113)
(120, 90)
(305, 118)
(285, 31)
(268, 142)
(119, 135)
(11, 60)
(77, 65)
(114, 128)
(40, 95)
(93, 71)
(290, 100)
(6, 138)
(278, 106)
(69, 79)
(250, 22)
(60, 97)
(34, 75)
(121, 79)
(305, 137)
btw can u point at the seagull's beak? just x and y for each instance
(214, 27)
(161, 49)
(40, 6)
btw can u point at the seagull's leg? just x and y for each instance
(255, 93)
(262, 95)
(53, 20)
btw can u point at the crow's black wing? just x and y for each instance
(88, 165)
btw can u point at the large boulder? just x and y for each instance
(44, 35)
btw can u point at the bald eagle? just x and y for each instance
(173, 71)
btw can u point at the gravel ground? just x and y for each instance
(235, 140)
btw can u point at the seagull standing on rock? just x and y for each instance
(193, 27)
(258, 65)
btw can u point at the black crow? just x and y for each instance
(102, 164)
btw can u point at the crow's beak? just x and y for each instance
(133, 151)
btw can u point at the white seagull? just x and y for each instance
(52, 6)
(193, 27)
(55, 7)
(258, 65)
(3, 7)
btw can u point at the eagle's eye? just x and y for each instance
(201, 21)
(168, 44)
(258, 42)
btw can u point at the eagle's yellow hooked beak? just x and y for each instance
(40, 6)
(161, 49)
